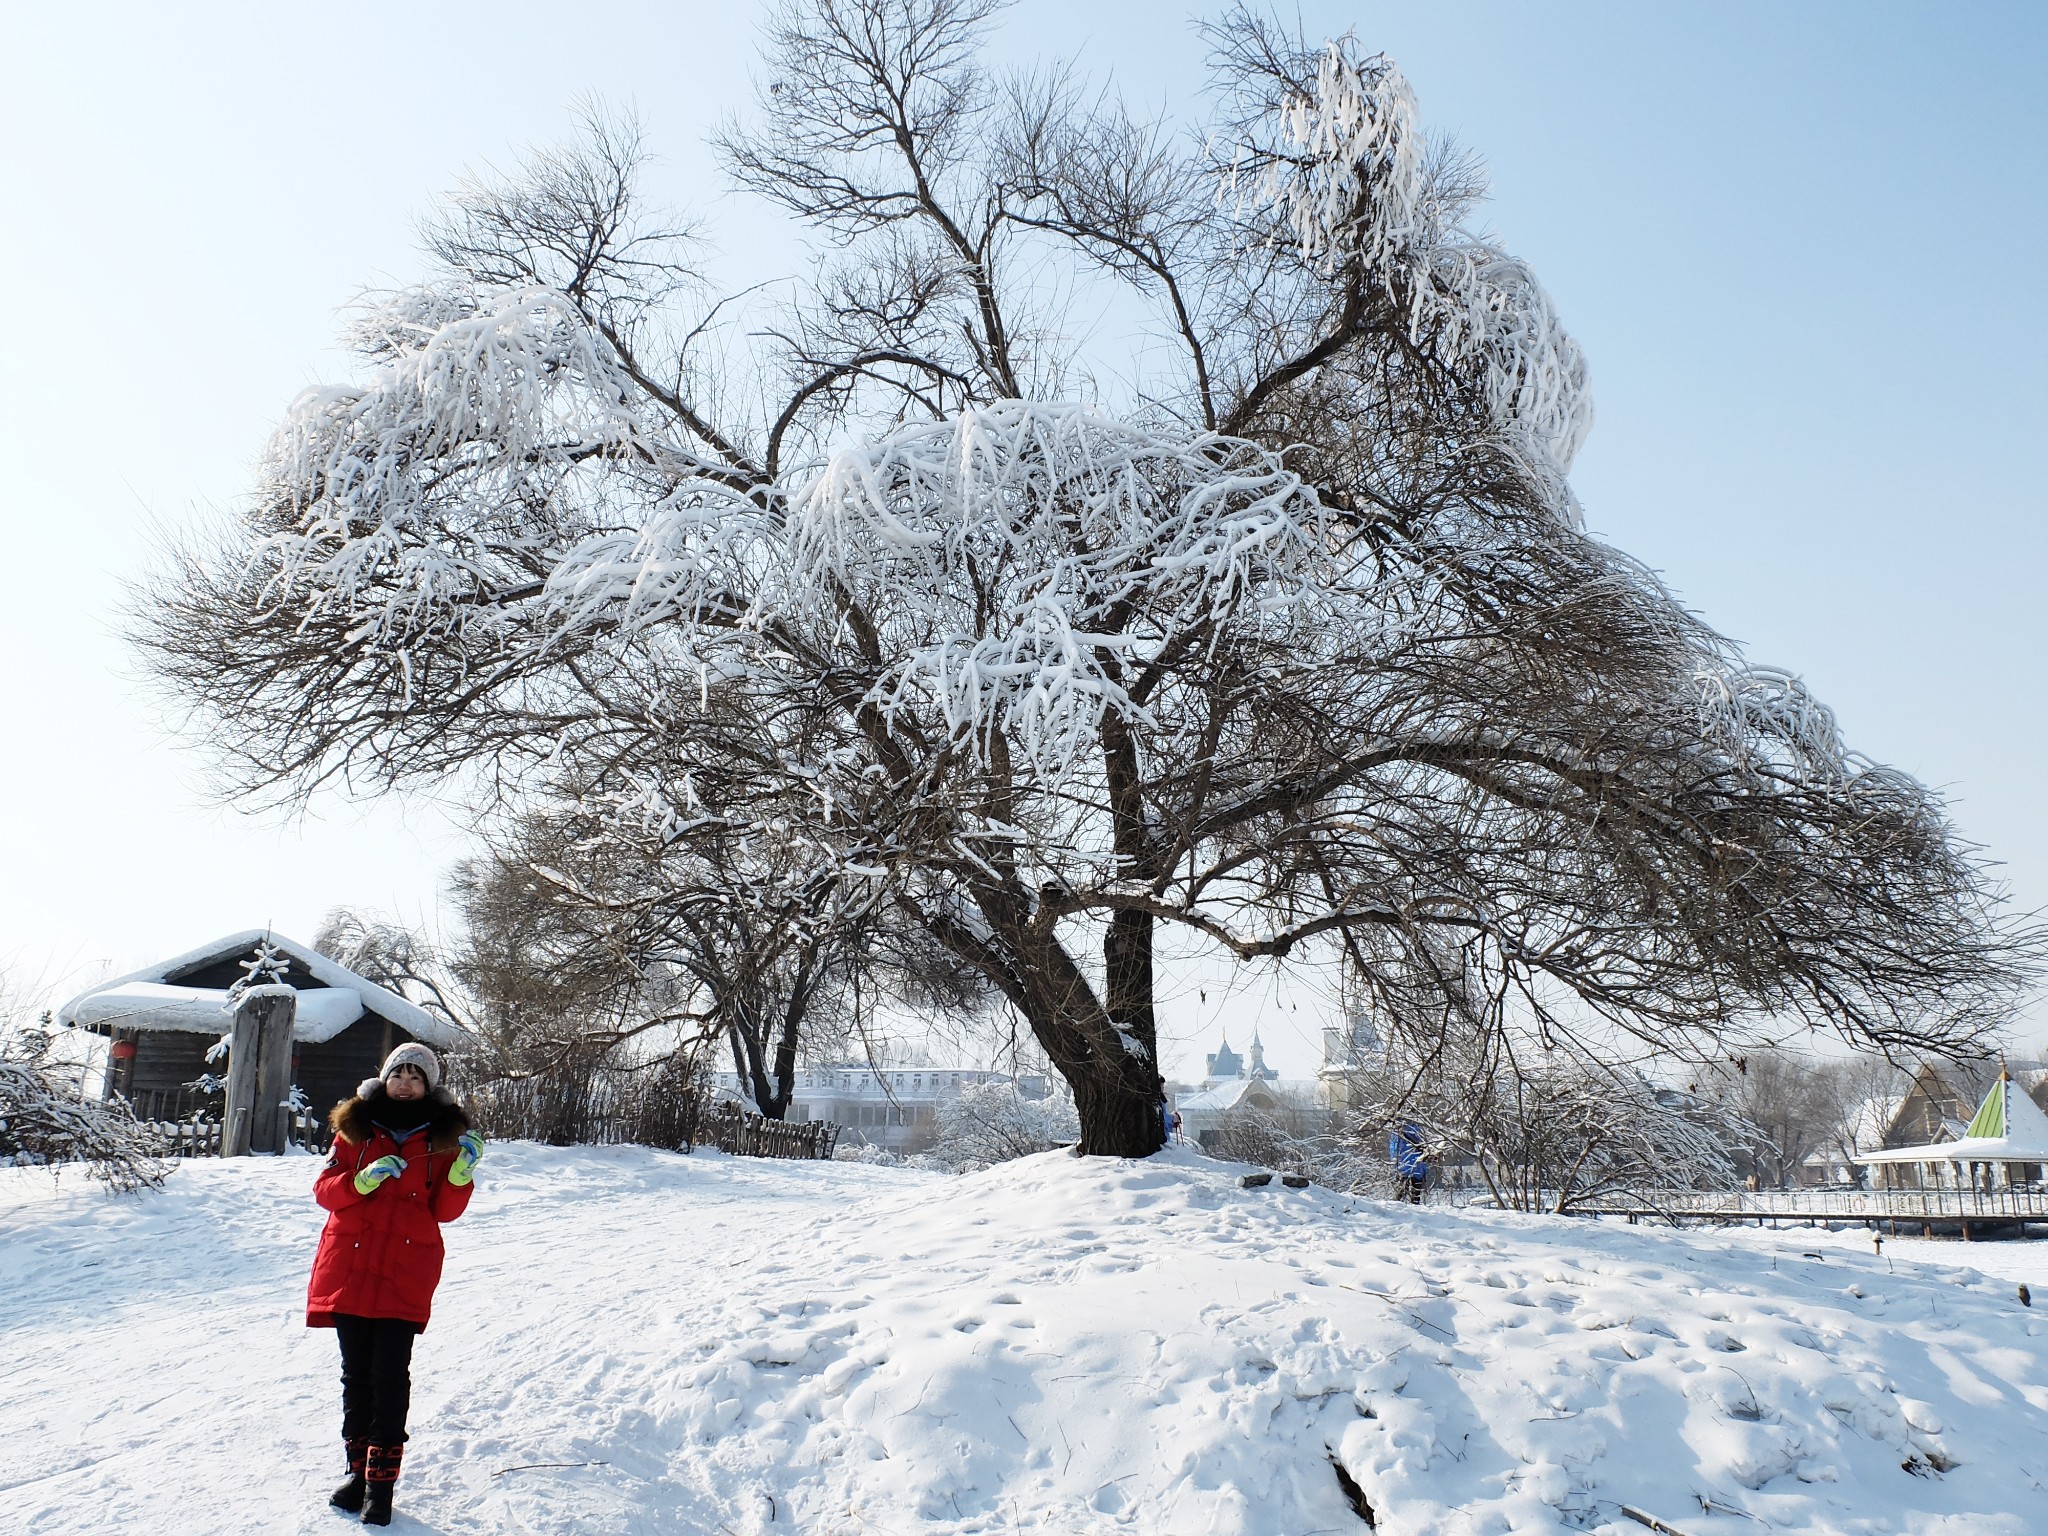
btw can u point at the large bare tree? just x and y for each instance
(1283, 630)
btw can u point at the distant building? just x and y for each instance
(896, 1109)
(1940, 1100)
(1943, 1095)
(1353, 1047)
(1224, 1064)
(1234, 1084)
(1202, 1110)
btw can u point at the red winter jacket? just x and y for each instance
(380, 1254)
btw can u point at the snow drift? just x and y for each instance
(631, 1341)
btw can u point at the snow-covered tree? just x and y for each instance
(393, 955)
(1283, 630)
(730, 937)
(1553, 1133)
(991, 1123)
(46, 1118)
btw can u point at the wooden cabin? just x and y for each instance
(162, 1021)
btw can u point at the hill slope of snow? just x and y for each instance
(628, 1341)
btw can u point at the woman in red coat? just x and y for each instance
(401, 1165)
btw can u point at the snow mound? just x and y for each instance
(632, 1341)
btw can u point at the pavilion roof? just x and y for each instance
(2007, 1128)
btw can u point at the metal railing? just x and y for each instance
(2010, 1202)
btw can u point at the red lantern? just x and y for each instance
(124, 1050)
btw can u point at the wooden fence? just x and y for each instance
(185, 1121)
(598, 1111)
(593, 1111)
(743, 1133)
(609, 1111)
(189, 1122)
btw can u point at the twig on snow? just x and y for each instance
(541, 1466)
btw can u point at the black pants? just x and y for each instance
(376, 1377)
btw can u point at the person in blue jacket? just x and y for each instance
(1404, 1147)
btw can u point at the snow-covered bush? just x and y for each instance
(46, 1118)
(866, 1152)
(1301, 1139)
(991, 1123)
(1550, 1134)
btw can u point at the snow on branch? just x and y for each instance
(1359, 193)
(1767, 718)
(402, 499)
(46, 1118)
(1039, 549)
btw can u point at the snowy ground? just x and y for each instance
(633, 1342)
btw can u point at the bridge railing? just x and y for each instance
(1904, 1204)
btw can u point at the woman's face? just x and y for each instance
(406, 1082)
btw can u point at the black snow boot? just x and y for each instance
(380, 1482)
(349, 1495)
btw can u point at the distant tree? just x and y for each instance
(1792, 1100)
(992, 1123)
(550, 991)
(1272, 1136)
(1289, 635)
(392, 955)
(1800, 1104)
(1550, 1134)
(699, 936)
(1868, 1092)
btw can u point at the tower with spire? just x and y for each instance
(1224, 1063)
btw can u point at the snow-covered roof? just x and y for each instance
(1226, 1095)
(153, 998)
(2008, 1128)
(323, 1012)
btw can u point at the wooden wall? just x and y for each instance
(169, 1059)
(326, 1072)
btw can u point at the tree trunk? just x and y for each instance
(1119, 1116)
(1118, 1095)
(770, 1090)
(238, 1113)
(1121, 1108)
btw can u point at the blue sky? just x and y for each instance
(1801, 244)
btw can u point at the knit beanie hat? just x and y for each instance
(411, 1054)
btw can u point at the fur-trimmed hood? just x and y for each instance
(355, 1120)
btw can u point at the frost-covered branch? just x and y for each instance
(46, 1119)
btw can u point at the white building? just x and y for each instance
(894, 1108)
(1348, 1049)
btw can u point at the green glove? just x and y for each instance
(390, 1165)
(466, 1160)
